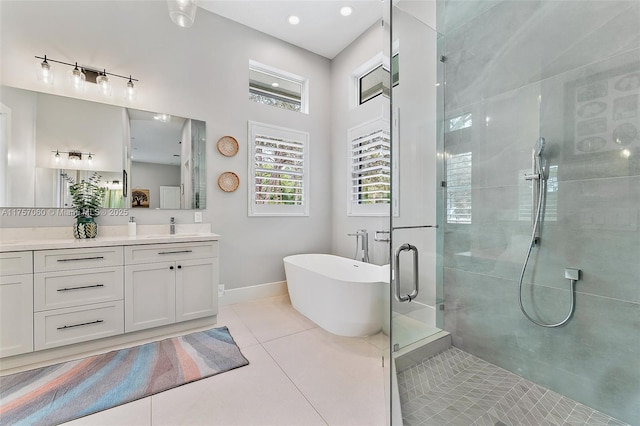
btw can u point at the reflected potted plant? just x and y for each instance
(87, 197)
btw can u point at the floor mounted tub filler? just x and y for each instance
(341, 295)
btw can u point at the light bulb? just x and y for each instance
(57, 157)
(163, 118)
(90, 159)
(130, 90)
(103, 83)
(44, 72)
(77, 78)
(182, 12)
(346, 11)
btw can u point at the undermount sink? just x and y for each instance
(168, 235)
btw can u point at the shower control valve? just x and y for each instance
(572, 274)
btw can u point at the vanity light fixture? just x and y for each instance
(182, 12)
(79, 75)
(73, 155)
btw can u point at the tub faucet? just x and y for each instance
(172, 225)
(364, 235)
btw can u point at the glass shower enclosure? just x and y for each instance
(473, 101)
(415, 234)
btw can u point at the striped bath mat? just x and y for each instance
(66, 391)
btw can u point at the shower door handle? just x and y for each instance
(414, 293)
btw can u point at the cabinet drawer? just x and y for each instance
(16, 263)
(73, 325)
(64, 289)
(167, 252)
(72, 259)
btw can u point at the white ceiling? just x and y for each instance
(322, 30)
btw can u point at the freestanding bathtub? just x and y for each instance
(341, 295)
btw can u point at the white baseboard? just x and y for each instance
(246, 294)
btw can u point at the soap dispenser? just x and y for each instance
(132, 226)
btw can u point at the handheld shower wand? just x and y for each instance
(538, 187)
(538, 178)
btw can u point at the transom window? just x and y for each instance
(270, 86)
(376, 81)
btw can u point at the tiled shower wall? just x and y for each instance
(568, 71)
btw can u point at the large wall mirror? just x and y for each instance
(147, 160)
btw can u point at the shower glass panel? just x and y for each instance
(568, 72)
(416, 167)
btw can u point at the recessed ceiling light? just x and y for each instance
(275, 84)
(294, 20)
(346, 11)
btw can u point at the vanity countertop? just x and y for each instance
(51, 238)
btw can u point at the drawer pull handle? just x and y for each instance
(81, 258)
(81, 288)
(80, 325)
(175, 252)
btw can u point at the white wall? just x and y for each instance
(344, 117)
(200, 72)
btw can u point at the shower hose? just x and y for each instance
(542, 191)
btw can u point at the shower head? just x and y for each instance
(539, 147)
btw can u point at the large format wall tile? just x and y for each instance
(569, 72)
(595, 228)
(602, 337)
(516, 43)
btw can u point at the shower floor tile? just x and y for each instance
(457, 388)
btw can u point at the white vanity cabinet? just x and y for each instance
(61, 297)
(77, 295)
(168, 283)
(16, 303)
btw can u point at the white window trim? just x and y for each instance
(255, 128)
(365, 68)
(354, 209)
(304, 95)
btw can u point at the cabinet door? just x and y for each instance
(196, 289)
(16, 314)
(149, 294)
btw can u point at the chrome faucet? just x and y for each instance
(362, 233)
(172, 226)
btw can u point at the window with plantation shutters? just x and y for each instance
(370, 169)
(459, 187)
(278, 171)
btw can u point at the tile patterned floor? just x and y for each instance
(298, 374)
(457, 388)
